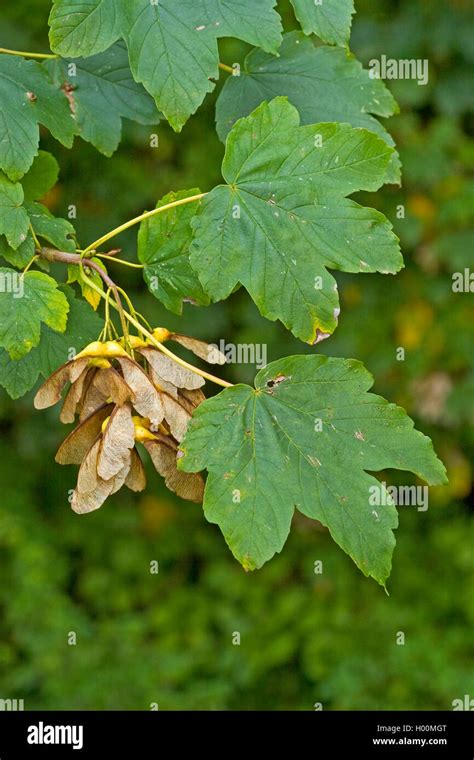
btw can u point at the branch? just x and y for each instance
(75, 259)
(51, 254)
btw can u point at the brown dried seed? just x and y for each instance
(176, 416)
(206, 351)
(85, 388)
(75, 447)
(72, 398)
(147, 400)
(92, 398)
(136, 478)
(170, 371)
(117, 440)
(91, 490)
(51, 390)
(161, 384)
(188, 485)
(191, 399)
(120, 479)
(103, 385)
(111, 384)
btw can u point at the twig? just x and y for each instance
(51, 254)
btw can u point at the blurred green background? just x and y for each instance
(306, 638)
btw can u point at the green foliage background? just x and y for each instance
(305, 638)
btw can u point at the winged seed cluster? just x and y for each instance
(120, 399)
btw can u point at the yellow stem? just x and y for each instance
(26, 54)
(35, 239)
(93, 246)
(119, 261)
(224, 67)
(127, 301)
(157, 344)
(30, 263)
(107, 313)
(145, 321)
(84, 262)
(177, 359)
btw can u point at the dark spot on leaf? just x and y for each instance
(68, 90)
(275, 381)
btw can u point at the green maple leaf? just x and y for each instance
(283, 218)
(20, 256)
(102, 91)
(163, 246)
(305, 438)
(41, 177)
(14, 222)
(59, 232)
(172, 47)
(28, 98)
(331, 21)
(84, 27)
(324, 84)
(27, 301)
(18, 377)
(83, 326)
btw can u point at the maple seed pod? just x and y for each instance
(51, 390)
(133, 341)
(136, 478)
(170, 371)
(106, 387)
(163, 453)
(97, 349)
(97, 380)
(75, 447)
(101, 363)
(108, 460)
(205, 351)
(161, 334)
(73, 398)
(118, 438)
(176, 415)
(104, 446)
(142, 429)
(147, 400)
